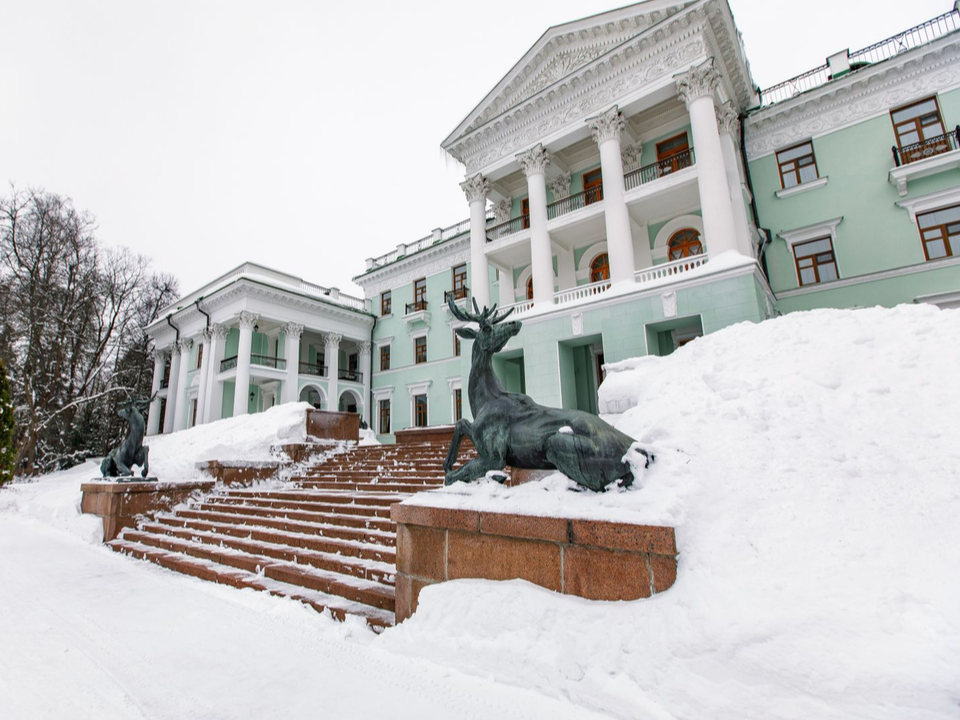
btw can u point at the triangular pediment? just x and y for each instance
(562, 51)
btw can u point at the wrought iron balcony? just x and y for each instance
(509, 227)
(313, 369)
(659, 169)
(416, 306)
(461, 293)
(351, 375)
(575, 202)
(267, 361)
(228, 363)
(927, 148)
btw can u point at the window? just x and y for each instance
(919, 130)
(384, 416)
(600, 268)
(815, 261)
(673, 154)
(457, 405)
(386, 302)
(685, 243)
(939, 230)
(460, 281)
(592, 186)
(199, 356)
(420, 294)
(420, 411)
(384, 357)
(420, 350)
(797, 165)
(530, 288)
(525, 213)
(456, 344)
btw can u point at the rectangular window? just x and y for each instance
(199, 356)
(420, 350)
(919, 130)
(673, 154)
(420, 410)
(386, 302)
(456, 344)
(384, 357)
(419, 295)
(797, 165)
(460, 281)
(384, 417)
(457, 406)
(525, 213)
(592, 186)
(815, 261)
(939, 231)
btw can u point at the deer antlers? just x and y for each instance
(486, 317)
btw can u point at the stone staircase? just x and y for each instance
(326, 539)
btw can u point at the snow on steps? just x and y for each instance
(326, 540)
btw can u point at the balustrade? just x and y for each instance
(649, 173)
(510, 227)
(313, 369)
(927, 148)
(575, 202)
(351, 375)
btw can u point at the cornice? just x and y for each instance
(860, 96)
(422, 264)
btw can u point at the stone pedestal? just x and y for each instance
(121, 504)
(331, 425)
(594, 559)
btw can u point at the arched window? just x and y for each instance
(530, 288)
(685, 243)
(600, 268)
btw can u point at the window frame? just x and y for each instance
(593, 186)
(416, 411)
(816, 265)
(384, 356)
(386, 303)
(199, 356)
(420, 294)
(796, 162)
(383, 415)
(670, 161)
(918, 127)
(459, 279)
(420, 350)
(698, 238)
(944, 237)
(457, 404)
(456, 343)
(594, 269)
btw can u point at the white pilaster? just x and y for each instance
(505, 287)
(242, 388)
(476, 188)
(172, 380)
(331, 355)
(364, 363)
(184, 345)
(206, 335)
(534, 163)
(213, 402)
(696, 88)
(159, 363)
(291, 354)
(606, 133)
(728, 125)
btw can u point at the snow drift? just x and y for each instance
(810, 466)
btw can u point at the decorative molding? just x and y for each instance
(534, 161)
(700, 81)
(502, 210)
(380, 342)
(247, 320)
(668, 303)
(588, 257)
(382, 393)
(331, 340)
(854, 98)
(560, 186)
(872, 277)
(576, 324)
(802, 187)
(419, 388)
(363, 347)
(220, 331)
(728, 119)
(944, 162)
(292, 329)
(183, 345)
(660, 249)
(607, 126)
(476, 188)
(206, 335)
(931, 201)
(431, 261)
(631, 155)
(826, 228)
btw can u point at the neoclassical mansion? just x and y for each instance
(629, 190)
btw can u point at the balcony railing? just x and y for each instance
(460, 293)
(667, 166)
(670, 269)
(313, 369)
(416, 306)
(267, 361)
(580, 292)
(927, 148)
(575, 202)
(351, 375)
(228, 363)
(509, 227)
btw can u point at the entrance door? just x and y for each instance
(592, 187)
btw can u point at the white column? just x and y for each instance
(534, 163)
(242, 387)
(159, 362)
(291, 354)
(213, 402)
(728, 124)
(172, 379)
(606, 133)
(206, 335)
(505, 287)
(364, 363)
(331, 356)
(696, 89)
(184, 345)
(475, 188)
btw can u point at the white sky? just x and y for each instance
(304, 135)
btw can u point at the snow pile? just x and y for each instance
(811, 466)
(247, 437)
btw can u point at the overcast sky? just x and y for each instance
(304, 135)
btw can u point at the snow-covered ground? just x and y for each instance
(809, 464)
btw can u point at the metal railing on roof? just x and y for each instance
(438, 236)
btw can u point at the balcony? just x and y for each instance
(657, 170)
(415, 307)
(416, 312)
(350, 375)
(260, 360)
(928, 157)
(228, 363)
(510, 227)
(575, 202)
(460, 293)
(313, 369)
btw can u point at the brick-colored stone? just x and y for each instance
(624, 536)
(435, 517)
(408, 596)
(494, 557)
(421, 551)
(664, 570)
(329, 425)
(519, 476)
(529, 527)
(599, 574)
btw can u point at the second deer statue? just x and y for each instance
(511, 429)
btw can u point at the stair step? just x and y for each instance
(385, 487)
(333, 497)
(376, 511)
(342, 519)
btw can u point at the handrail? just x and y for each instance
(351, 375)
(927, 148)
(670, 269)
(268, 361)
(581, 291)
(667, 166)
(575, 202)
(416, 306)
(228, 363)
(510, 227)
(405, 249)
(313, 369)
(461, 293)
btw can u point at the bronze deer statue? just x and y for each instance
(511, 429)
(120, 461)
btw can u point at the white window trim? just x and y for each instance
(583, 271)
(520, 291)
(417, 334)
(933, 201)
(454, 383)
(827, 228)
(661, 251)
(803, 187)
(414, 389)
(384, 341)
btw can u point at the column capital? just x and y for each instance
(364, 347)
(332, 339)
(161, 353)
(206, 335)
(248, 319)
(560, 185)
(698, 82)
(534, 161)
(220, 331)
(728, 119)
(608, 125)
(184, 345)
(292, 329)
(476, 188)
(501, 210)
